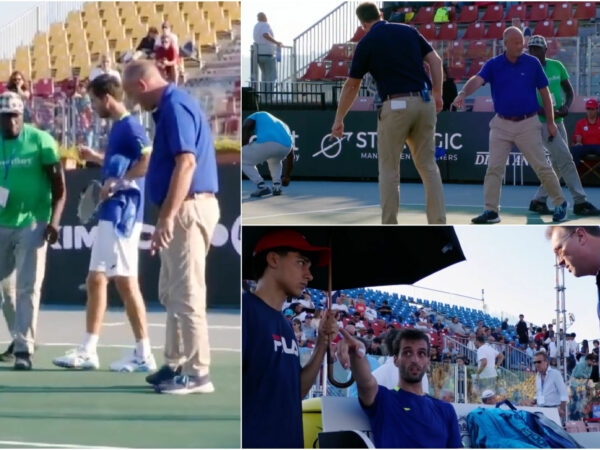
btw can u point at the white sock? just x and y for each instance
(142, 348)
(90, 342)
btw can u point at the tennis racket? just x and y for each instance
(89, 202)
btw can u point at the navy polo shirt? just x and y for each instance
(181, 127)
(393, 54)
(514, 86)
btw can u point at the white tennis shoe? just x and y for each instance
(78, 358)
(131, 362)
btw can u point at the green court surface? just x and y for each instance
(52, 407)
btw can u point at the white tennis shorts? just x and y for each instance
(115, 255)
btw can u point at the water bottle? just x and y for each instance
(278, 54)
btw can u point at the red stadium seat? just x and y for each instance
(552, 48)
(455, 50)
(2, 86)
(337, 71)
(468, 14)
(448, 32)
(516, 10)
(358, 34)
(474, 68)
(478, 50)
(44, 87)
(538, 11)
(495, 30)
(428, 31)
(493, 13)
(338, 52)
(562, 11)
(475, 30)
(585, 10)
(544, 28)
(424, 14)
(457, 69)
(567, 28)
(316, 71)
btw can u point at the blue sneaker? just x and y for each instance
(186, 384)
(560, 212)
(486, 217)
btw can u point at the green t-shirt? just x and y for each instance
(556, 73)
(23, 174)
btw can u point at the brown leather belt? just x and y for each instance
(403, 94)
(517, 118)
(195, 195)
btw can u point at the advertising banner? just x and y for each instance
(68, 259)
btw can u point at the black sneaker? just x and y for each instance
(537, 206)
(22, 361)
(276, 189)
(261, 192)
(585, 209)
(165, 373)
(8, 356)
(486, 217)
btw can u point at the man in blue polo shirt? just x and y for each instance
(272, 143)
(515, 79)
(182, 181)
(394, 54)
(115, 250)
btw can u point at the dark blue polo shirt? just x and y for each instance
(393, 54)
(514, 86)
(181, 127)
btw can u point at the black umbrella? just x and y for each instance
(363, 256)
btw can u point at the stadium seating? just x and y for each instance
(493, 13)
(544, 28)
(448, 32)
(478, 50)
(316, 71)
(538, 11)
(516, 10)
(468, 14)
(562, 11)
(474, 67)
(494, 30)
(425, 14)
(455, 50)
(567, 28)
(358, 34)
(585, 11)
(428, 31)
(475, 30)
(44, 87)
(337, 71)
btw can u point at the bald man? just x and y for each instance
(182, 181)
(515, 122)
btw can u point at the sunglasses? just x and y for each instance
(538, 362)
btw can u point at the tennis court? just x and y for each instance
(55, 408)
(354, 203)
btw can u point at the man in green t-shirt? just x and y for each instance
(32, 199)
(560, 155)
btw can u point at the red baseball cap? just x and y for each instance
(291, 239)
(591, 103)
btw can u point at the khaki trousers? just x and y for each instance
(415, 126)
(182, 285)
(527, 136)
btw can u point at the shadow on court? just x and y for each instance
(354, 203)
(58, 408)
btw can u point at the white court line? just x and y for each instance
(311, 212)
(48, 445)
(154, 347)
(162, 325)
